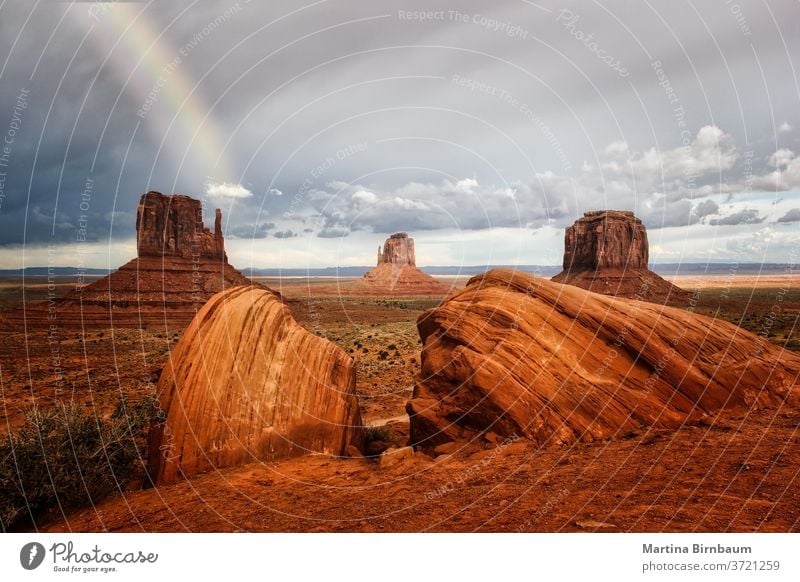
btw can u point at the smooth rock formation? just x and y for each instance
(181, 264)
(606, 251)
(247, 383)
(514, 354)
(396, 272)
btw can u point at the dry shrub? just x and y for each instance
(65, 458)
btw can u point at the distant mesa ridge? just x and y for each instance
(606, 251)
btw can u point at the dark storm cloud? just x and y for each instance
(292, 100)
(792, 215)
(331, 232)
(250, 231)
(746, 216)
(68, 174)
(706, 208)
(677, 213)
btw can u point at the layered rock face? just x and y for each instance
(181, 264)
(173, 226)
(396, 272)
(606, 239)
(607, 252)
(247, 383)
(150, 291)
(515, 354)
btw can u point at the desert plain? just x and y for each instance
(732, 472)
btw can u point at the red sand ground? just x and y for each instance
(740, 474)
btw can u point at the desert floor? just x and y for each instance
(736, 473)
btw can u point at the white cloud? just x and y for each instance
(616, 148)
(227, 190)
(466, 186)
(755, 245)
(711, 151)
(781, 158)
(408, 204)
(785, 177)
(275, 192)
(785, 127)
(365, 196)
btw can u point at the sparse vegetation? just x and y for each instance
(65, 458)
(376, 433)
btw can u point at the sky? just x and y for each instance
(482, 129)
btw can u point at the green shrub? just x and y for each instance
(377, 433)
(65, 458)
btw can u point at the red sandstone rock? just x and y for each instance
(246, 383)
(606, 251)
(173, 226)
(606, 239)
(396, 272)
(519, 355)
(180, 266)
(397, 250)
(149, 291)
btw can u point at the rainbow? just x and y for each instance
(154, 70)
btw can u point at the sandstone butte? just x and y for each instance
(180, 265)
(606, 251)
(396, 272)
(514, 354)
(247, 383)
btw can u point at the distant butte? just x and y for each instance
(606, 251)
(396, 272)
(172, 226)
(180, 265)
(397, 250)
